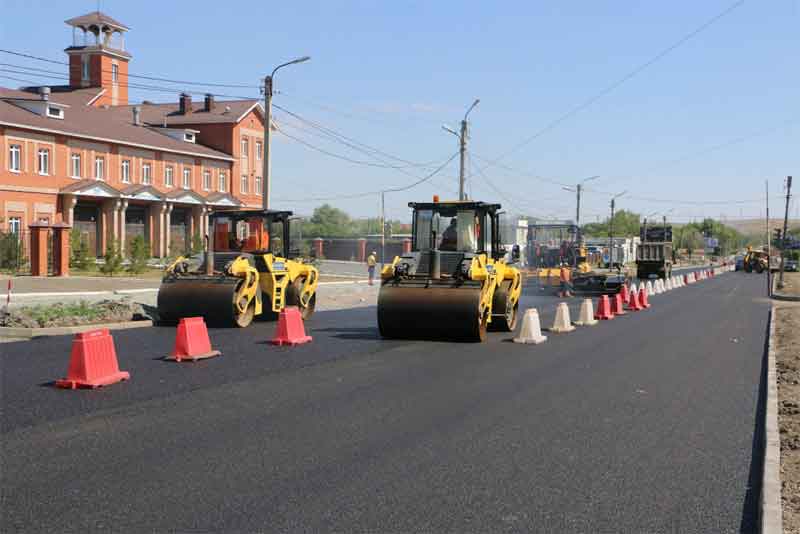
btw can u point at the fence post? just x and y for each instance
(39, 234)
(61, 249)
(362, 249)
(318, 247)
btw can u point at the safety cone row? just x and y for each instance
(625, 294)
(93, 359)
(635, 303)
(643, 302)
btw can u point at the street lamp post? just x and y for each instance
(463, 135)
(611, 230)
(267, 168)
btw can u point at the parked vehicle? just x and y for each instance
(739, 263)
(654, 253)
(790, 266)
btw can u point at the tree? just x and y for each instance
(139, 255)
(79, 257)
(195, 245)
(626, 224)
(113, 259)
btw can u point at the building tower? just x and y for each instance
(97, 57)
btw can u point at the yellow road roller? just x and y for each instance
(455, 283)
(247, 261)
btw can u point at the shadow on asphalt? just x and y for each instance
(366, 332)
(752, 495)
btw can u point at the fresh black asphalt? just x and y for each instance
(646, 423)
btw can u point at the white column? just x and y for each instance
(122, 209)
(167, 236)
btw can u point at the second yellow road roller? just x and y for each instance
(248, 271)
(456, 282)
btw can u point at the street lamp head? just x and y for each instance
(477, 101)
(301, 59)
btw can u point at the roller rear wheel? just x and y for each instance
(243, 319)
(293, 293)
(501, 304)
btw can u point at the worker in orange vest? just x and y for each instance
(565, 275)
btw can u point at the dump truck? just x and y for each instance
(456, 283)
(550, 245)
(248, 271)
(654, 253)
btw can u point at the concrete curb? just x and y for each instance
(770, 508)
(778, 296)
(30, 333)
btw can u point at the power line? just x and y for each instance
(144, 77)
(29, 71)
(378, 192)
(610, 88)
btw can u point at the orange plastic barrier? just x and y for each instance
(192, 342)
(291, 330)
(92, 362)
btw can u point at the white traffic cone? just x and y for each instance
(587, 314)
(649, 288)
(562, 323)
(668, 285)
(633, 290)
(531, 331)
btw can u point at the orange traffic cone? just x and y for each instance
(192, 342)
(626, 296)
(634, 304)
(92, 362)
(603, 309)
(290, 328)
(643, 298)
(616, 305)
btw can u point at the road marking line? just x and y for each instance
(771, 508)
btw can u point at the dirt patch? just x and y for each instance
(787, 344)
(791, 284)
(72, 314)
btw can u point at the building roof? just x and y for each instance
(224, 112)
(109, 125)
(96, 18)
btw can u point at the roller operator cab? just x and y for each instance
(456, 282)
(248, 271)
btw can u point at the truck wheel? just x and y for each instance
(501, 303)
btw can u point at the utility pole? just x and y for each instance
(267, 160)
(769, 246)
(785, 228)
(611, 235)
(383, 227)
(462, 135)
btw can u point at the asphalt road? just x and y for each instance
(646, 423)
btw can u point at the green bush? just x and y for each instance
(113, 259)
(79, 256)
(139, 253)
(195, 245)
(11, 251)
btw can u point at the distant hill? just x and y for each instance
(757, 226)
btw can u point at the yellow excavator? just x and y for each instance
(455, 284)
(755, 260)
(247, 261)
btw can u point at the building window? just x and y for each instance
(14, 157)
(114, 73)
(207, 180)
(56, 113)
(76, 165)
(85, 68)
(146, 178)
(257, 186)
(187, 178)
(14, 225)
(243, 185)
(168, 181)
(222, 182)
(126, 171)
(44, 161)
(99, 168)
(244, 148)
(258, 150)
(188, 137)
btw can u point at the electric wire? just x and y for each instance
(613, 86)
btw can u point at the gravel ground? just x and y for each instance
(787, 332)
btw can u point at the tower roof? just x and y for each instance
(98, 19)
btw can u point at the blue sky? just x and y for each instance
(389, 74)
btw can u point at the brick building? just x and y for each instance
(83, 155)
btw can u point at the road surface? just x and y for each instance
(646, 423)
